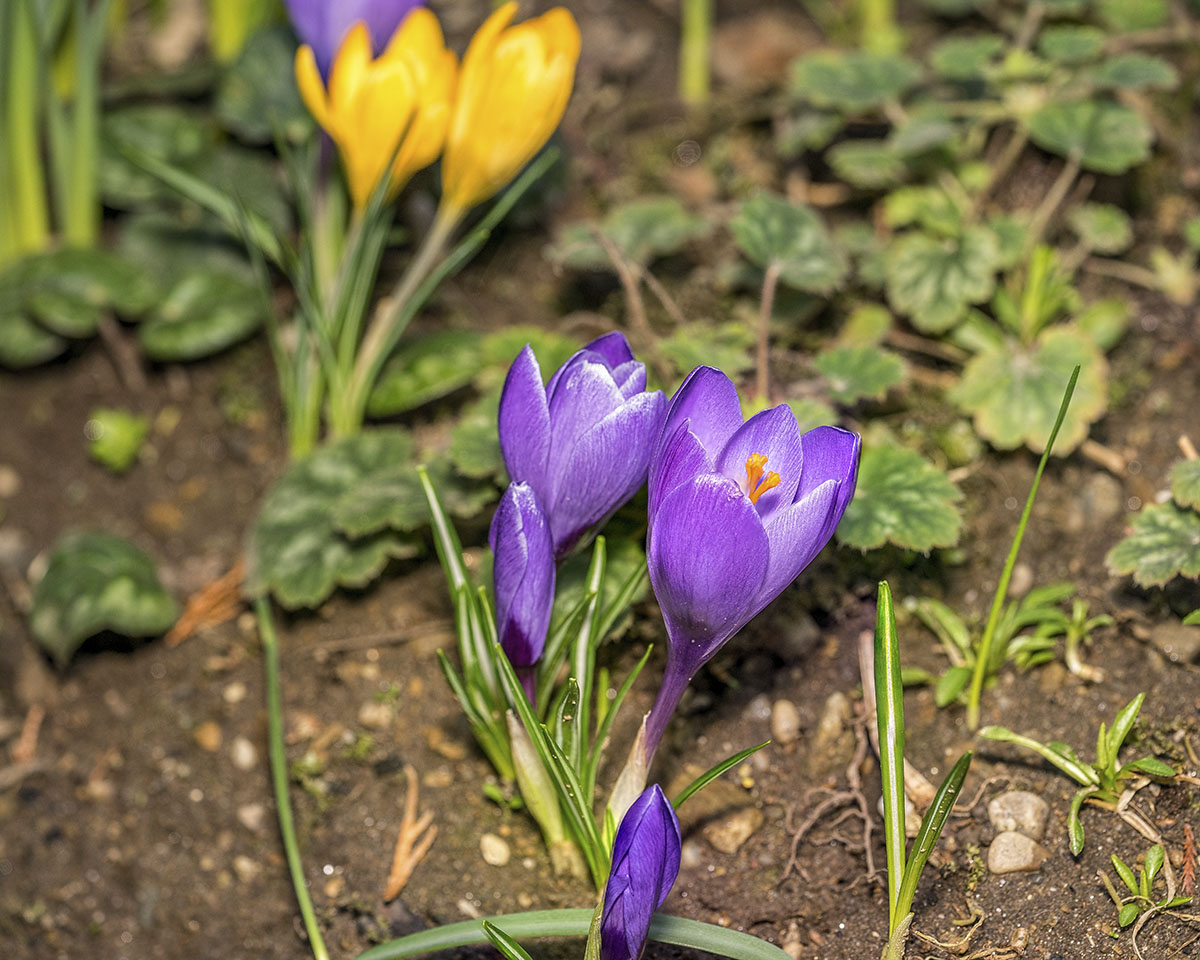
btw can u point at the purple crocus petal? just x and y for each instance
(524, 422)
(830, 453)
(611, 349)
(645, 864)
(523, 572)
(607, 465)
(796, 535)
(774, 434)
(678, 460)
(709, 399)
(630, 378)
(585, 395)
(707, 556)
(323, 24)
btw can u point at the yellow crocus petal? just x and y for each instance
(312, 88)
(513, 89)
(350, 68)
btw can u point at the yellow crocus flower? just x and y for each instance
(513, 89)
(371, 105)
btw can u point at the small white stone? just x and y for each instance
(251, 816)
(375, 715)
(235, 692)
(785, 722)
(1019, 811)
(245, 868)
(495, 850)
(245, 756)
(1015, 853)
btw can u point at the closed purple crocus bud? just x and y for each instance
(737, 510)
(583, 441)
(523, 572)
(323, 24)
(645, 864)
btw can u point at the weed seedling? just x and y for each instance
(1101, 781)
(1141, 898)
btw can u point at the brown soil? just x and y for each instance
(139, 836)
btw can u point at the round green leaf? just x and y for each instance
(869, 164)
(808, 130)
(1102, 227)
(724, 345)
(424, 369)
(1105, 137)
(1134, 71)
(474, 444)
(642, 230)
(1164, 543)
(257, 95)
(1185, 483)
(965, 58)
(1124, 16)
(95, 582)
(811, 414)
(854, 82)
(203, 314)
(23, 343)
(855, 373)
(902, 499)
(772, 232)
(1070, 43)
(296, 551)
(932, 280)
(1014, 392)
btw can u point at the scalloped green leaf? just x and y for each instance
(867, 251)
(97, 582)
(258, 96)
(1164, 543)
(643, 230)
(1105, 137)
(808, 130)
(203, 314)
(23, 343)
(902, 499)
(474, 443)
(1104, 321)
(1185, 483)
(929, 207)
(1133, 71)
(1124, 16)
(870, 164)
(163, 131)
(966, 58)
(855, 373)
(1102, 227)
(725, 345)
(1071, 43)
(296, 552)
(773, 232)
(854, 82)
(925, 128)
(1013, 392)
(69, 290)
(932, 280)
(810, 413)
(424, 369)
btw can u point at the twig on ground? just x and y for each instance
(214, 604)
(1106, 457)
(417, 834)
(25, 749)
(1187, 883)
(1187, 448)
(125, 357)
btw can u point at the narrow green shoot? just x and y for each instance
(983, 657)
(712, 773)
(695, 42)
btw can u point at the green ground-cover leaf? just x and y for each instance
(870, 164)
(202, 314)
(24, 343)
(932, 280)
(854, 82)
(1164, 543)
(812, 413)
(97, 582)
(643, 230)
(1185, 483)
(867, 325)
(69, 290)
(723, 345)
(807, 130)
(924, 129)
(902, 499)
(257, 95)
(1104, 322)
(966, 58)
(1124, 16)
(1105, 137)
(1133, 71)
(1071, 43)
(1014, 392)
(1011, 233)
(296, 552)
(925, 206)
(115, 438)
(866, 250)
(773, 232)
(474, 444)
(166, 132)
(855, 373)
(1102, 227)
(424, 369)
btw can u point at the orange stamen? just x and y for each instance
(756, 483)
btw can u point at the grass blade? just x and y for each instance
(889, 713)
(712, 773)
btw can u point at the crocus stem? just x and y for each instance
(27, 200)
(279, 778)
(528, 678)
(694, 42)
(669, 694)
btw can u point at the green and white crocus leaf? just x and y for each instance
(853, 82)
(172, 135)
(966, 58)
(1185, 483)
(861, 372)
(902, 499)
(932, 280)
(1133, 71)
(424, 369)
(1013, 392)
(296, 552)
(68, 291)
(725, 345)
(775, 233)
(870, 164)
(1164, 543)
(642, 230)
(392, 499)
(1105, 137)
(24, 343)
(257, 96)
(1102, 227)
(203, 314)
(97, 582)
(1071, 43)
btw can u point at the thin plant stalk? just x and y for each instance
(695, 42)
(81, 220)
(879, 32)
(889, 712)
(279, 778)
(26, 191)
(984, 654)
(1052, 201)
(762, 379)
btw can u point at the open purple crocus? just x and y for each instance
(323, 24)
(583, 441)
(645, 863)
(737, 510)
(523, 576)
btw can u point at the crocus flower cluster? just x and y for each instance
(576, 449)
(645, 863)
(396, 94)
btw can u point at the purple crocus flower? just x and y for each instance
(323, 24)
(523, 572)
(737, 510)
(645, 864)
(583, 441)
